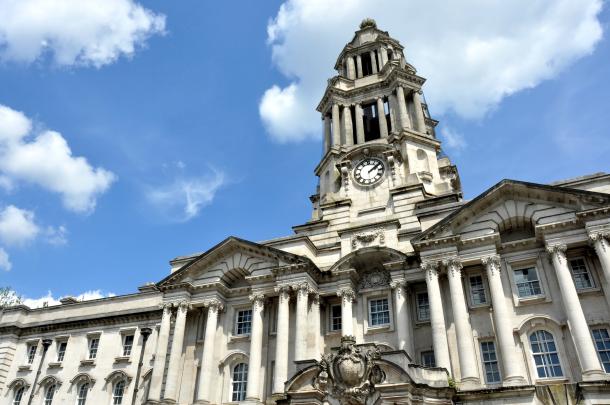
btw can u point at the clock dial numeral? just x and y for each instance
(369, 171)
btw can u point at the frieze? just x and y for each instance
(374, 278)
(364, 239)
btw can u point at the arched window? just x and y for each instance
(81, 398)
(18, 395)
(117, 393)
(240, 381)
(49, 393)
(545, 354)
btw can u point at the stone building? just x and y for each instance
(395, 291)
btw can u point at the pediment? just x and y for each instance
(513, 206)
(230, 263)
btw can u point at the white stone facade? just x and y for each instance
(396, 291)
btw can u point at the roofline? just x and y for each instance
(496, 186)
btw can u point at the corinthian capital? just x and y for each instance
(257, 299)
(492, 263)
(596, 236)
(214, 305)
(302, 288)
(283, 292)
(454, 265)
(558, 250)
(347, 294)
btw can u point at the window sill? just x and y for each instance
(87, 362)
(589, 291)
(537, 299)
(475, 307)
(239, 338)
(122, 359)
(25, 367)
(553, 380)
(333, 332)
(378, 329)
(422, 323)
(55, 364)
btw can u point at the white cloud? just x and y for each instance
(183, 199)
(56, 236)
(17, 226)
(74, 32)
(49, 299)
(472, 53)
(452, 139)
(5, 263)
(44, 158)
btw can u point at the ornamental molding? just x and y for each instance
(214, 305)
(350, 375)
(599, 236)
(492, 263)
(364, 239)
(374, 278)
(558, 251)
(257, 299)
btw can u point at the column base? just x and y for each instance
(594, 375)
(514, 381)
(469, 383)
(201, 402)
(251, 401)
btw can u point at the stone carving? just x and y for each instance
(351, 374)
(374, 278)
(366, 238)
(347, 294)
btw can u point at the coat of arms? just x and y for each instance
(350, 375)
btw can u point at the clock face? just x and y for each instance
(369, 171)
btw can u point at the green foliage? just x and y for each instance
(9, 297)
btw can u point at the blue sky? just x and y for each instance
(180, 153)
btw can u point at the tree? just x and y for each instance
(9, 297)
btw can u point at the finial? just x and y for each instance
(368, 23)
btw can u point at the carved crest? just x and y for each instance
(350, 375)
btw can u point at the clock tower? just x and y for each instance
(381, 155)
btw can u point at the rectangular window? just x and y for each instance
(602, 344)
(127, 345)
(477, 290)
(527, 282)
(581, 275)
(243, 324)
(335, 317)
(61, 351)
(427, 359)
(379, 312)
(94, 344)
(423, 307)
(31, 354)
(490, 362)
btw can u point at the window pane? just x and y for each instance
(50, 392)
(32, 353)
(61, 351)
(423, 307)
(602, 343)
(490, 362)
(380, 313)
(117, 394)
(335, 317)
(127, 345)
(545, 354)
(240, 382)
(581, 275)
(527, 282)
(82, 394)
(477, 290)
(18, 396)
(244, 322)
(427, 359)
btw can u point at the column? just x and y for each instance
(336, 125)
(359, 124)
(256, 348)
(154, 393)
(419, 113)
(437, 318)
(281, 340)
(383, 124)
(512, 372)
(358, 66)
(403, 116)
(393, 110)
(336, 135)
(577, 323)
(384, 57)
(351, 69)
(315, 326)
(347, 125)
(463, 330)
(600, 241)
(347, 296)
(300, 336)
(327, 134)
(373, 62)
(207, 366)
(175, 355)
(402, 316)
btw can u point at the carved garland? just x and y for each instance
(366, 238)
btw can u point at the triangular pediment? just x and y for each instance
(230, 263)
(514, 206)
